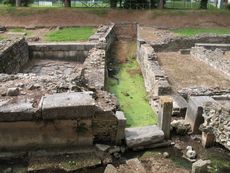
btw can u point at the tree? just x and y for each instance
(67, 3)
(18, 3)
(204, 4)
(113, 3)
(161, 4)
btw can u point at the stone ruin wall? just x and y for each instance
(156, 82)
(217, 122)
(177, 43)
(14, 55)
(80, 122)
(214, 58)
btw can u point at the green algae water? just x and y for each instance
(128, 86)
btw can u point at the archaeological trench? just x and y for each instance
(54, 100)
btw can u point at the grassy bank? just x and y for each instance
(130, 89)
(199, 31)
(70, 34)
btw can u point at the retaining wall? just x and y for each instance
(64, 51)
(156, 82)
(13, 55)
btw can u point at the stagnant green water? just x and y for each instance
(128, 86)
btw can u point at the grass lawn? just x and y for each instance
(70, 34)
(131, 94)
(199, 31)
(20, 30)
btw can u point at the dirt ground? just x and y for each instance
(155, 35)
(184, 71)
(30, 17)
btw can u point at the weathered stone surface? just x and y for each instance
(20, 110)
(180, 105)
(135, 166)
(121, 126)
(13, 92)
(68, 105)
(45, 135)
(165, 113)
(216, 126)
(95, 69)
(184, 51)
(214, 58)
(200, 166)
(13, 55)
(110, 169)
(102, 147)
(195, 111)
(155, 79)
(180, 126)
(213, 46)
(142, 136)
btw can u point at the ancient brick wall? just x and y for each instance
(13, 55)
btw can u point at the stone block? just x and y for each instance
(200, 166)
(165, 113)
(21, 110)
(195, 110)
(120, 126)
(68, 106)
(208, 139)
(27, 135)
(143, 136)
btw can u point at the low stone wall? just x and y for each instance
(64, 51)
(94, 69)
(156, 82)
(213, 46)
(214, 58)
(177, 43)
(217, 122)
(14, 55)
(63, 119)
(126, 30)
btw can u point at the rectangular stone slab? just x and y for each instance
(195, 110)
(142, 136)
(68, 105)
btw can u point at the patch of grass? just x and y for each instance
(70, 34)
(199, 31)
(132, 95)
(1, 37)
(22, 30)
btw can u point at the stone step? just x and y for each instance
(143, 136)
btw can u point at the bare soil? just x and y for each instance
(31, 17)
(184, 71)
(155, 35)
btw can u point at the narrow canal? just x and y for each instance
(126, 82)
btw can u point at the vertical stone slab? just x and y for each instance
(195, 110)
(165, 113)
(120, 127)
(208, 139)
